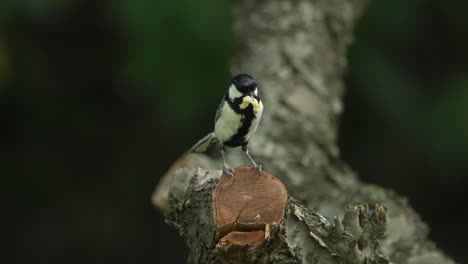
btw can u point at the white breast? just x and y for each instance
(227, 124)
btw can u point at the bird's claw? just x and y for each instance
(228, 171)
(258, 167)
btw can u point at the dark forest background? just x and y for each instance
(98, 98)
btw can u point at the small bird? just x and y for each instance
(236, 119)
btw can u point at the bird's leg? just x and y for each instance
(226, 168)
(246, 150)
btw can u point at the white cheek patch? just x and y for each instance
(256, 91)
(233, 92)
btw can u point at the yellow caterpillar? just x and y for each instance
(249, 100)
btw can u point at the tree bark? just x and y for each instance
(296, 49)
(302, 236)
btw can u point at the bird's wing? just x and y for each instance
(220, 109)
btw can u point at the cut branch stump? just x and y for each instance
(247, 206)
(249, 218)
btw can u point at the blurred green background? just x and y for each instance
(97, 98)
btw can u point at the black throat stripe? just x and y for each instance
(247, 117)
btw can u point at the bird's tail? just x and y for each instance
(204, 143)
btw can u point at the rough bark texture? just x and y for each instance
(303, 236)
(296, 51)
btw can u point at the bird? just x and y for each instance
(236, 120)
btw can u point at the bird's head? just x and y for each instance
(243, 85)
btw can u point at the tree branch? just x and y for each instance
(299, 236)
(296, 51)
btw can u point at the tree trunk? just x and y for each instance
(296, 49)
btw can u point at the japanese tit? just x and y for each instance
(236, 119)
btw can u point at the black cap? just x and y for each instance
(244, 82)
